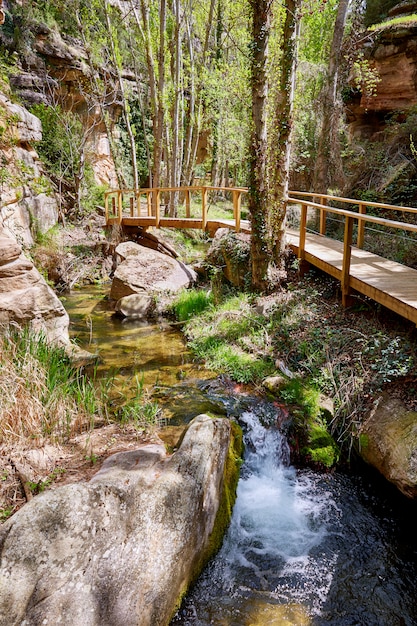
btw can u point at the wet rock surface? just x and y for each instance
(389, 442)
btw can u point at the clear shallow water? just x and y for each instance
(302, 548)
(132, 347)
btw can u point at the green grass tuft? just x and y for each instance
(191, 302)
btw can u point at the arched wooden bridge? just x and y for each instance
(389, 283)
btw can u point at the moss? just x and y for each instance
(224, 512)
(230, 480)
(320, 446)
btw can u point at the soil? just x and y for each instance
(24, 473)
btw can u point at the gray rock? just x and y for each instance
(146, 270)
(121, 549)
(230, 252)
(28, 127)
(136, 306)
(274, 383)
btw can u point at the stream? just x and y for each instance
(303, 548)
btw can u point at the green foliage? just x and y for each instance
(230, 338)
(321, 447)
(92, 194)
(303, 395)
(402, 20)
(61, 139)
(42, 375)
(190, 302)
(365, 77)
(377, 10)
(137, 125)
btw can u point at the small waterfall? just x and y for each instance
(297, 549)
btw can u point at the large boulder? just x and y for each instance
(123, 548)
(146, 270)
(388, 442)
(230, 252)
(25, 297)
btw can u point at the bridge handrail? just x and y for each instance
(153, 196)
(361, 217)
(350, 217)
(366, 203)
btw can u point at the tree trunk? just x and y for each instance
(125, 105)
(328, 165)
(280, 144)
(176, 113)
(261, 14)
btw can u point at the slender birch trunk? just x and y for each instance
(328, 162)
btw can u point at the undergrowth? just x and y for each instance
(345, 354)
(230, 338)
(44, 397)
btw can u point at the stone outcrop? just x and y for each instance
(123, 548)
(388, 442)
(58, 65)
(25, 297)
(392, 53)
(143, 270)
(27, 199)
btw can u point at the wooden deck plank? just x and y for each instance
(389, 283)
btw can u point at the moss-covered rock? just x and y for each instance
(310, 441)
(388, 442)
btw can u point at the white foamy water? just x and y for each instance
(278, 519)
(302, 549)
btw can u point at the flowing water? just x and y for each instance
(307, 549)
(303, 549)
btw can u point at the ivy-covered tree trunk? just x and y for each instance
(280, 141)
(261, 13)
(328, 162)
(270, 156)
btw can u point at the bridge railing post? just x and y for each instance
(237, 201)
(347, 255)
(106, 207)
(361, 227)
(137, 198)
(323, 217)
(204, 192)
(303, 229)
(187, 203)
(157, 199)
(120, 206)
(149, 203)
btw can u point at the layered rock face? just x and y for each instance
(27, 201)
(392, 53)
(25, 297)
(389, 443)
(58, 65)
(121, 549)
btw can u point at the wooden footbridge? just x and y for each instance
(389, 283)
